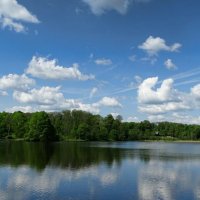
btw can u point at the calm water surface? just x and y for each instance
(128, 170)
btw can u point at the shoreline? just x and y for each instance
(75, 140)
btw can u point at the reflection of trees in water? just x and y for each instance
(37, 155)
(74, 155)
(65, 155)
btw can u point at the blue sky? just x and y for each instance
(137, 58)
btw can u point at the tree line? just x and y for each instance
(80, 125)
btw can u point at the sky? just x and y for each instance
(136, 58)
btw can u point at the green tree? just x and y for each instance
(108, 121)
(3, 125)
(19, 124)
(83, 131)
(40, 128)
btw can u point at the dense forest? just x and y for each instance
(79, 125)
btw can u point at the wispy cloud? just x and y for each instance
(103, 61)
(12, 14)
(99, 7)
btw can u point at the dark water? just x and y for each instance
(130, 170)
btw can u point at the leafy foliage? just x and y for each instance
(79, 125)
(40, 128)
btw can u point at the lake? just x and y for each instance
(99, 170)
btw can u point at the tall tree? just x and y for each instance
(18, 125)
(40, 128)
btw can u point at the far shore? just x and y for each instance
(77, 140)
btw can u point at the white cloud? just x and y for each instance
(7, 22)
(12, 13)
(115, 115)
(147, 94)
(3, 93)
(153, 45)
(87, 107)
(41, 67)
(15, 81)
(103, 61)
(169, 64)
(165, 99)
(175, 117)
(52, 99)
(93, 92)
(156, 118)
(71, 104)
(164, 108)
(25, 109)
(132, 119)
(196, 91)
(98, 7)
(108, 101)
(44, 95)
(186, 119)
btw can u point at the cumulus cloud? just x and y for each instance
(12, 14)
(103, 61)
(165, 99)
(108, 101)
(132, 119)
(169, 64)
(93, 92)
(186, 119)
(51, 99)
(147, 94)
(25, 109)
(164, 108)
(153, 45)
(44, 95)
(157, 118)
(71, 104)
(98, 7)
(15, 81)
(196, 91)
(44, 68)
(175, 117)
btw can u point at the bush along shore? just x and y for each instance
(83, 126)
